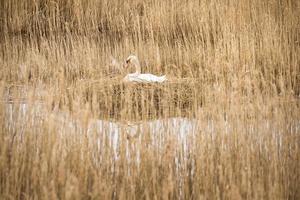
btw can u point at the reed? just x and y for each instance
(233, 72)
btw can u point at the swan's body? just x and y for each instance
(144, 78)
(137, 76)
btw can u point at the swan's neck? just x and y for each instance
(137, 66)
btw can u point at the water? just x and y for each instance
(182, 130)
(21, 115)
(134, 136)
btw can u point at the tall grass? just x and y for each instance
(232, 66)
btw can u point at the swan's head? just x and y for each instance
(133, 60)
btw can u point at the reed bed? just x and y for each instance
(72, 129)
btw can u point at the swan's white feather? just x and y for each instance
(137, 76)
(144, 78)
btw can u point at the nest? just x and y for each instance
(137, 101)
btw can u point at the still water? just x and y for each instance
(21, 115)
(134, 136)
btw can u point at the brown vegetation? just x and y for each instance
(233, 67)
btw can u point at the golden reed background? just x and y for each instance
(230, 63)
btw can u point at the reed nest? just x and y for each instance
(142, 101)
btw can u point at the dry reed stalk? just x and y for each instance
(233, 67)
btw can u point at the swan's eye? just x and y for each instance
(127, 61)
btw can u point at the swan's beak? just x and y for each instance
(126, 64)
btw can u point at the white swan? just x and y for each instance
(137, 76)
